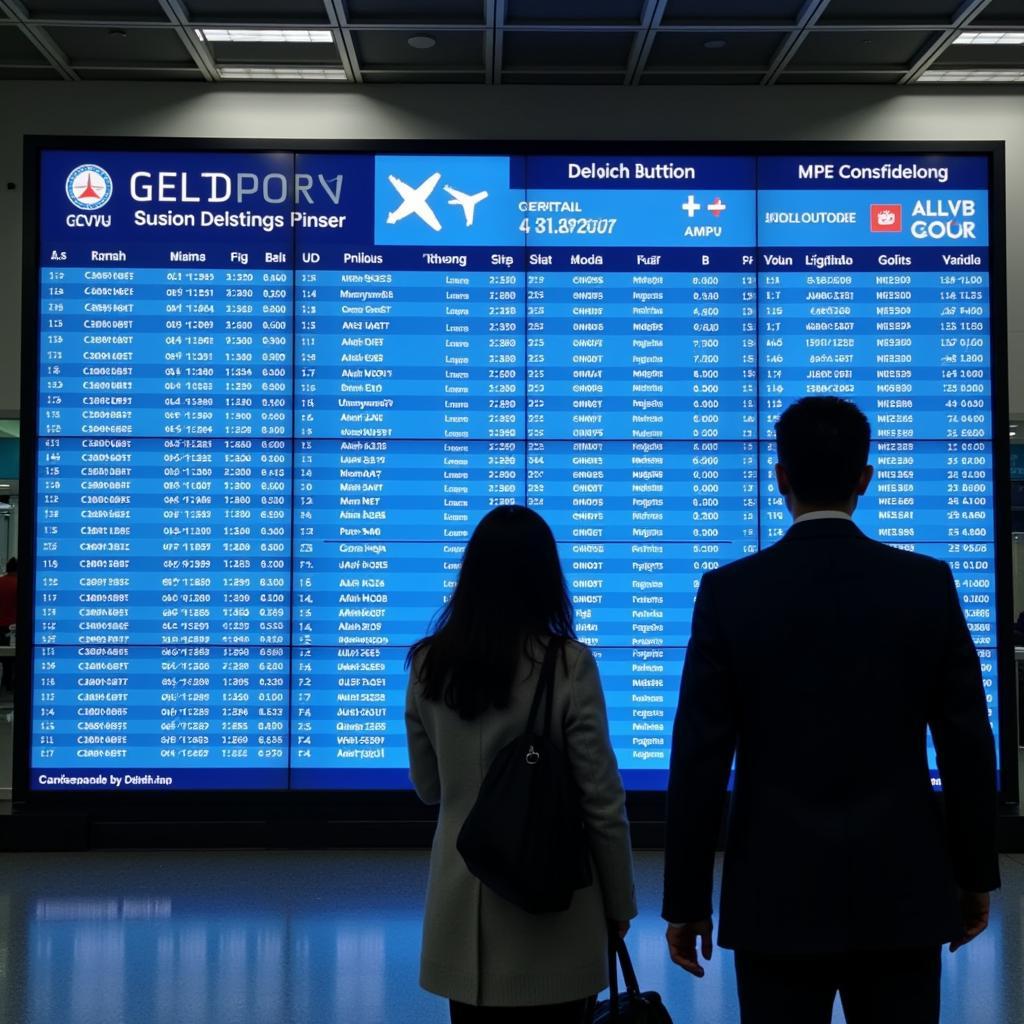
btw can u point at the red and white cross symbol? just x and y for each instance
(691, 206)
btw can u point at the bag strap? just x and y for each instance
(613, 975)
(619, 955)
(628, 974)
(546, 682)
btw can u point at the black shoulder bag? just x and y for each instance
(525, 836)
(631, 1006)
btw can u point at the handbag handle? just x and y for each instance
(619, 955)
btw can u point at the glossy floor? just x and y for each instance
(325, 938)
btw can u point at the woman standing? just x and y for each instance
(470, 686)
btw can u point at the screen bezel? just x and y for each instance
(402, 806)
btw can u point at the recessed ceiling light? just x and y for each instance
(117, 33)
(976, 76)
(990, 38)
(714, 44)
(264, 35)
(282, 74)
(422, 42)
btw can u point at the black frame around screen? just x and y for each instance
(385, 810)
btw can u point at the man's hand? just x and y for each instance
(974, 912)
(682, 945)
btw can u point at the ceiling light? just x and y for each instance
(422, 42)
(714, 44)
(283, 74)
(265, 35)
(979, 76)
(991, 38)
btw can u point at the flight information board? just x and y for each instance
(277, 390)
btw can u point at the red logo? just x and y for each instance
(886, 217)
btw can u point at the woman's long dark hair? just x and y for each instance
(510, 590)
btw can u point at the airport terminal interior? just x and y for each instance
(293, 291)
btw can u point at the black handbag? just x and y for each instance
(631, 1006)
(525, 837)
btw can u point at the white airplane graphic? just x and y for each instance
(466, 201)
(414, 200)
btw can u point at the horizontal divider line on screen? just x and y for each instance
(43, 438)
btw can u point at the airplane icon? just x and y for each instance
(466, 201)
(414, 200)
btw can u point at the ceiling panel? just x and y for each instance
(578, 77)
(139, 74)
(927, 12)
(561, 50)
(84, 10)
(703, 50)
(440, 78)
(453, 49)
(662, 78)
(725, 11)
(841, 78)
(242, 11)
(46, 74)
(557, 41)
(425, 12)
(594, 12)
(1003, 12)
(131, 46)
(17, 48)
(860, 49)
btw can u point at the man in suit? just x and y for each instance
(819, 662)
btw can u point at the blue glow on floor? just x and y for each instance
(254, 937)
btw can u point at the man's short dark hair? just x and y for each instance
(12, 565)
(823, 447)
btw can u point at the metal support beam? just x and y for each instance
(40, 39)
(931, 53)
(490, 39)
(346, 45)
(643, 43)
(806, 19)
(500, 19)
(179, 19)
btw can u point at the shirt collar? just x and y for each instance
(808, 517)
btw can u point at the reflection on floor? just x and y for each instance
(321, 938)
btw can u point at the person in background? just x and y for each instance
(471, 682)
(8, 618)
(821, 662)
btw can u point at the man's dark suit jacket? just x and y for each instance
(820, 661)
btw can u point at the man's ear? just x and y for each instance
(782, 479)
(865, 479)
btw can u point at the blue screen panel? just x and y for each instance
(277, 391)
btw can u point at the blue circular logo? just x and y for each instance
(89, 187)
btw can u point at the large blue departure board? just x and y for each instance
(277, 390)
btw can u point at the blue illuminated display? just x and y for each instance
(278, 390)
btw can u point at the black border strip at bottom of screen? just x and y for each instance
(397, 806)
